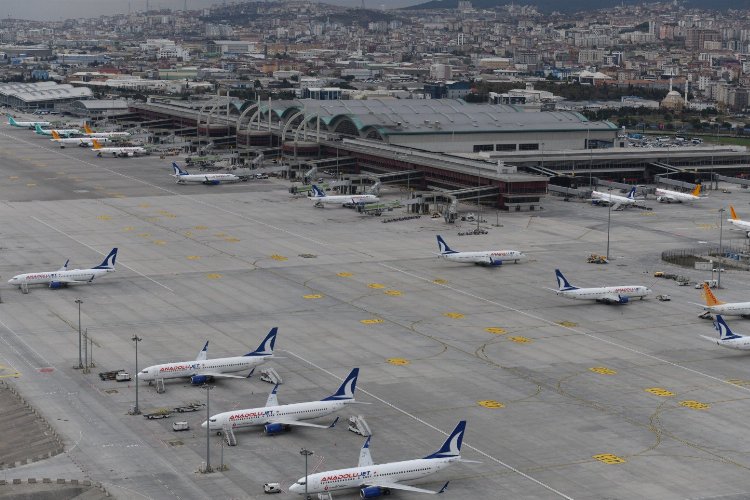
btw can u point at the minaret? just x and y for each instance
(687, 89)
(670, 84)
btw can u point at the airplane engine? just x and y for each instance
(660, 199)
(210, 183)
(271, 429)
(199, 379)
(748, 234)
(623, 300)
(56, 285)
(373, 492)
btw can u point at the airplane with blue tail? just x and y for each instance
(30, 125)
(276, 418)
(480, 258)
(376, 480)
(617, 201)
(321, 198)
(727, 338)
(64, 276)
(203, 370)
(182, 176)
(604, 294)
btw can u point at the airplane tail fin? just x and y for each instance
(96, 144)
(346, 391)
(562, 282)
(203, 354)
(443, 246)
(87, 129)
(64, 267)
(11, 121)
(266, 347)
(631, 194)
(317, 192)
(709, 296)
(38, 129)
(178, 170)
(733, 213)
(452, 446)
(55, 135)
(365, 458)
(109, 260)
(725, 333)
(697, 190)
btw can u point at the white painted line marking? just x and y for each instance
(47, 363)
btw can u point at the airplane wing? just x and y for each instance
(613, 297)
(616, 206)
(396, 486)
(71, 280)
(301, 424)
(219, 375)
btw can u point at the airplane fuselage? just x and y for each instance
(79, 141)
(357, 477)
(105, 135)
(61, 131)
(605, 294)
(46, 277)
(186, 369)
(665, 195)
(612, 198)
(239, 419)
(341, 199)
(31, 125)
(487, 258)
(740, 344)
(206, 178)
(731, 309)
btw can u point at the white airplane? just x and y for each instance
(483, 258)
(320, 198)
(600, 198)
(121, 151)
(62, 131)
(31, 125)
(102, 135)
(183, 177)
(64, 276)
(715, 306)
(727, 338)
(376, 480)
(667, 196)
(605, 294)
(73, 141)
(203, 370)
(275, 417)
(739, 224)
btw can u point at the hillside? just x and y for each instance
(576, 5)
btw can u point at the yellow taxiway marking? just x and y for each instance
(220, 235)
(104, 217)
(167, 214)
(160, 242)
(609, 458)
(706, 226)
(440, 281)
(567, 324)
(393, 293)
(152, 219)
(188, 234)
(193, 257)
(213, 276)
(658, 391)
(695, 405)
(144, 205)
(128, 228)
(144, 235)
(31, 184)
(521, 340)
(453, 315)
(371, 321)
(12, 372)
(312, 296)
(278, 257)
(602, 370)
(344, 275)
(398, 361)
(490, 403)
(231, 239)
(740, 382)
(200, 228)
(376, 285)
(13, 177)
(495, 330)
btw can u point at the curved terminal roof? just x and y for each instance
(43, 91)
(387, 117)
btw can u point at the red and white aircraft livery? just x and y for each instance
(482, 258)
(64, 276)
(604, 294)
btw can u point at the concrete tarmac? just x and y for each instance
(564, 399)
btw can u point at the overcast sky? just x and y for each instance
(45, 10)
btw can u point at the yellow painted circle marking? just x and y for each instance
(231, 239)
(376, 285)
(658, 391)
(695, 405)
(496, 330)
(160, 242)
(31, 184)
(602, 370)
(104, 217)
(393, 293)
(453, 315)
(398, 361)
(609, 458)
(144, 235)
(200, 228)
(220, 235)
(278, 257)
(520, 340)
(144, 205)
(440, 281)
(648, 214)
(489, 403)
(344, 275)
(740, 382)
(193, 257)
(128, 228)
(568, 324)
(371, 321)
(312, 296)
(13, 177)
(213, 276)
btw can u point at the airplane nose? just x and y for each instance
(295, 488)
(203, 425)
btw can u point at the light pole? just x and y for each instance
(80, 360)
(609, 218)
(721, 232)
(86, 351)
(137, 409)
(306, 453)
(208, 427)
